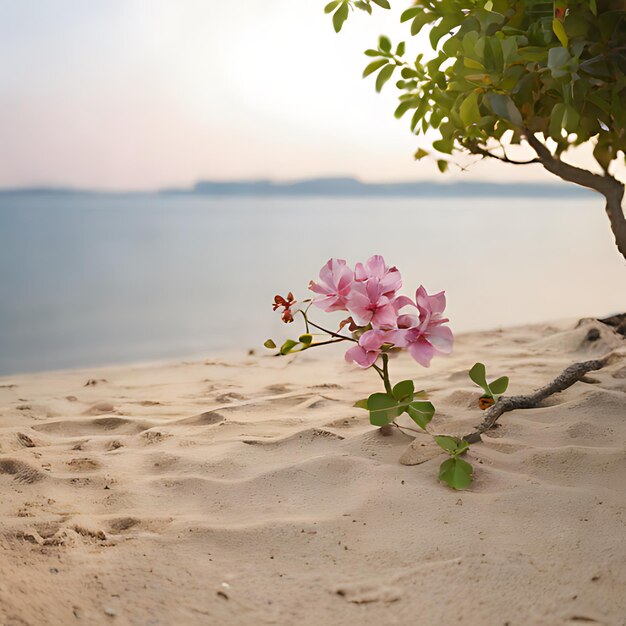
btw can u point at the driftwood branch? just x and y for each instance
(565, 379)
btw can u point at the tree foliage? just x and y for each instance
(506, 71)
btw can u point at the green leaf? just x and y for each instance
(556, 121)
(456, 473)
(462, 447)
(400, 49)
(331, 6)
(473, 65)
(270, 344)
(420, 21)
(403, 107)
(533, 53)
(340, 16)
(384, 43)
(571, 119)
(359, 4)
(288, 346)
(421, 413)
(499, 385)
(478, 374)
(420, 154)
(505, 107)
(383, 76)
(602, 155)
(403, 390)
(442, 28)
(558, 61)
(306, 339)
(442, 165)
(383, 409)
(410, 13)
(372, 53)
(362, 404)
(469, 110)
(382, 3)
(559, 31)
(448, 443)
(373, 66)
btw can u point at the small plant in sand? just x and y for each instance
(493, 390)
(381, 323)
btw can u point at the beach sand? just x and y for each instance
(249, 490)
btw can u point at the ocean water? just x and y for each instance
(94, 280)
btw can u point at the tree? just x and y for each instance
(503, 72)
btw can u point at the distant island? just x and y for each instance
(352, 187)
(345, 187)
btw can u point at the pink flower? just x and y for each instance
(431, 307)
(369, 305)
(368, 349)
(389, 277)
(426, 337)
(334, 287)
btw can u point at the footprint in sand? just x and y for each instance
(348, 422)
(22, 472)
(99, 426)
(230, 396)
(297, 440)
(83, 464)
(204, 419)
(92, 382)
(99, 408)
(122, 524)
(25, 441)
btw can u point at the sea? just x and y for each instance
(97, 279)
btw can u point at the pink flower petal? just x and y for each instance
(422, 352)
(361, 357)
(441, 338)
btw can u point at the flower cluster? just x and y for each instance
(382, 322)
(379, 316)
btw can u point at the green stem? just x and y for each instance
(385, 376)
(308, 323)
(414, 430)
(379, 371)
(324, 343)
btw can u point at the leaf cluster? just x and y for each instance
(502, 68)
(496, 387)
(455, 472)
(341, 9)
(384, 408)
(292, 345)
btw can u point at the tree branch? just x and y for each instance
(611, 188)
(565, 379)
(475, 149)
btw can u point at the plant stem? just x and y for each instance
(324, 343)
(328, 332)
(385, 375)
(378, 371)
(415, 430)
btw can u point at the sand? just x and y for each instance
(249, 490)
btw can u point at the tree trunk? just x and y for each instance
(611, 188)
(616, 217)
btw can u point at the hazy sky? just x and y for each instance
(130, 94)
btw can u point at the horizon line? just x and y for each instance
(320, 185)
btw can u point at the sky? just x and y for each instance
(133, 95)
